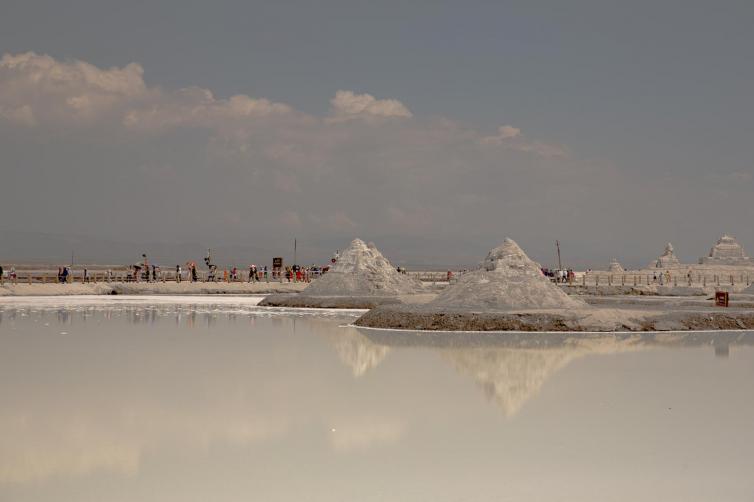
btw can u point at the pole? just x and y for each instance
(295, 245)
(560, 265)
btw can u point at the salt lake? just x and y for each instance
(214, 398)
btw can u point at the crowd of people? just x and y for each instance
(559, 276)
(151, 272)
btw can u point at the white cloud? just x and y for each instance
(197, 107)
(347, 105)
(39, 89)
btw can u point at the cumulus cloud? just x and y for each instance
(37, 88)
(347, 105)
(197, 107)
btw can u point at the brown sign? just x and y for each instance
(721, 299)
(277, 262)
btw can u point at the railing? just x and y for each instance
(94, 277)
(694, 279)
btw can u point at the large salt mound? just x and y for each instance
(361, 270)
(508, 280)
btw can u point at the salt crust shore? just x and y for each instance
(429, 318)
(154, 288)
(302, 300)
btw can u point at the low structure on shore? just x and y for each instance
(727, 251)
(615, 267)
(667, 260)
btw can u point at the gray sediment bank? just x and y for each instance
(326, 302)
(429, 318)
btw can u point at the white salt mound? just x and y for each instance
(361, 270)
(508, 280)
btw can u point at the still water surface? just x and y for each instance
(207, 399)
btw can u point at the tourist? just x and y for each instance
(177, 273)
(2, 278)
(13, 275)
(266, 276)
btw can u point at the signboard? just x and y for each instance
(721, 298)
(277, 262)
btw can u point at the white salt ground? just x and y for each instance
(362, 270)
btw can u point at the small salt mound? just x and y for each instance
(615, 267)
(508, 280)
(361, 270)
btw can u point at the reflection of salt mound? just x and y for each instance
(361, 270)
(508, 280)
(358, 352)
(510, 377)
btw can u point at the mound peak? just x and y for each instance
(362, 270)
(507, 280)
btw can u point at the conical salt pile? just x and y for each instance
(361, 270)
(615, 267)
(508, 280)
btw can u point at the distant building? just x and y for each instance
(727, 251)
(667, 260)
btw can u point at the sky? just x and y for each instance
(434, 129)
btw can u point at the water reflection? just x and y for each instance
(233, 401)
(511, 368)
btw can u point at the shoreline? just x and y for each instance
(150, 288)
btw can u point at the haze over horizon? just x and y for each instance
(433, 129)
